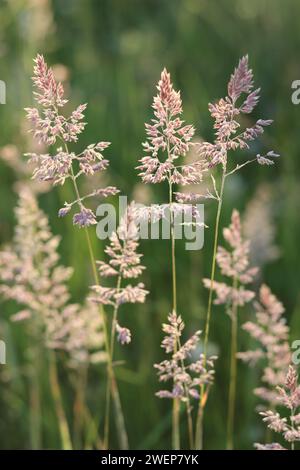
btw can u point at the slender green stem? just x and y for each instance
(35, 412)
(58, 403)
(112, 383)
(190, 424)
(199, 423)
(108, 386)
(120, 422)
(114, 320)
(176, 402)
(188, 407)
(233, 369)
(173, 257)
(35, 392)
(93, 261)
(292, 426)
(213, 266)
(79, 406)
(92, 439)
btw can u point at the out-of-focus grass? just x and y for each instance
(114, 51)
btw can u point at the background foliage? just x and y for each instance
(113, 52)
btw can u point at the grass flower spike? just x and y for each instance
(168, 135)
(187, 375)
(234, 264)
(50, 127)
(241, 99)
(30, 274)
(288, 396)
(270, 331)
(124, 263)
(168, 141)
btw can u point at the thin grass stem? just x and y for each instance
(112, 384)
(176, 402)
(200, 414)
(233, 374)
(58, 403)
(79, 406)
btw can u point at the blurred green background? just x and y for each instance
(110, 53)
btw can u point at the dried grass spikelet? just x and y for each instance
(188, 375)
(233, 264)
(288, 396)
(168, 134)
(124, 263)
(271, 332)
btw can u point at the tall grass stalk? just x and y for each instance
(35, 395)
(202, 402)
(188, 409)
(233, 370)
(123, 437)
(168, 134)
(80, 406)
(49, 94)
(58, 403)
(112, 383)
(225, 113)
(176, 401)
